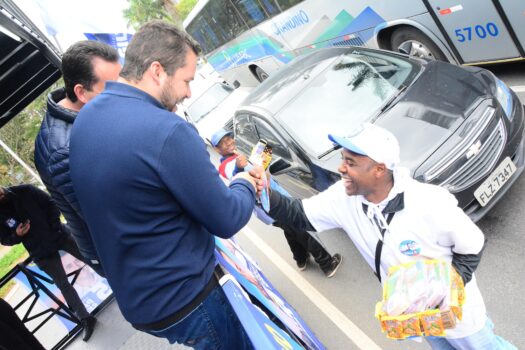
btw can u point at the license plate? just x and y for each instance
(486, 191)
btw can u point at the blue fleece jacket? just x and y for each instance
(152, 200)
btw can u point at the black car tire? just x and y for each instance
(260, 74)
(424, 45)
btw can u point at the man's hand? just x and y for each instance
(254, 177)
(23, 229)
(241, 161)
(258, 174)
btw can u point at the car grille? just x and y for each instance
(480, 165)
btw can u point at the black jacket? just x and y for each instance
(26, 202)
(52, 163)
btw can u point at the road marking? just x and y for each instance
(356, 335)
(518, 88)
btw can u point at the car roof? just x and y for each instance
(29, 63)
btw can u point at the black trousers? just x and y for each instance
(302, 244)
(52, 265)
(15, 335)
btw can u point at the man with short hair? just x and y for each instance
(393, 219)
(152, 199)
(29, 216)
(86, 66)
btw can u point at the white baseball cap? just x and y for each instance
(372, 141)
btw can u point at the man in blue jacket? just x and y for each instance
(152, 199)
(86, 66)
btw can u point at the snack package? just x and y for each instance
(422, 298)
(267, 156)
(258, 157)
(402, 327)
(437, 288)
(393, 329)
(432, 323)
(416, 286)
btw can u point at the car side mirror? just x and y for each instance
(279, 166)
(236, 84)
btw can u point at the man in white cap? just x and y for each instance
(393, 219)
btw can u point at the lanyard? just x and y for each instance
(379, 245)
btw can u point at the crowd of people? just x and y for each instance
(143, 202)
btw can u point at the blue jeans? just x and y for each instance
(485, 339)
(212, 325)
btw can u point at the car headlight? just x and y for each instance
(504, 98)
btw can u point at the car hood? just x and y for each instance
(432, 109)
(218, 117)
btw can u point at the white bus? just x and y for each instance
(245, 40)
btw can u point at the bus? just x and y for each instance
(245, 40)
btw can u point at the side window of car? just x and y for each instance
(266, 132)
(245, 133)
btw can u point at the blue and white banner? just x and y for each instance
(249, 275)
(264, 334)
(68, 21)
(92, 289)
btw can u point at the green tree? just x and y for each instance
(184, 7)
(19, 134)
(142, 11)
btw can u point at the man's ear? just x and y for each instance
(156, 72)
(381, 170)
(80, 93)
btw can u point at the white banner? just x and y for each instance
(68, 21)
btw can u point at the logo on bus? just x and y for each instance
(297, 20)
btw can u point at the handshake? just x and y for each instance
(260, 158)
(257, 177)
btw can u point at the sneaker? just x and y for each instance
(302, 265)
(88, 324)
(337, 259)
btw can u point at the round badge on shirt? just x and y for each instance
(410, 248)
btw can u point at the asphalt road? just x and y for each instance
(341, 315)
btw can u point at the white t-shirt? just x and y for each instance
(431, 226)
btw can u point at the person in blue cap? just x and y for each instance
(301, 243)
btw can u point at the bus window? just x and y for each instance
(225, 19)
(251, 10)
(205, 34)
(286, 4)
(270, 7)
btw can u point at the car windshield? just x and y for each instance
(208, 101)
(351, 91)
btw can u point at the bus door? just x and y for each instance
(515, 12)
(476, 30)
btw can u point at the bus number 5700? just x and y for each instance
(480, 31)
